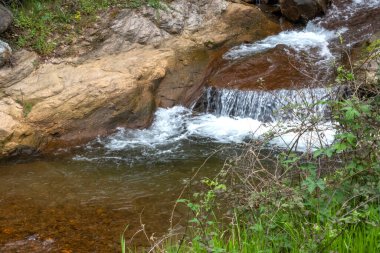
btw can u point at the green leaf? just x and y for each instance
(351, 113)
(321, 184)
(339, 147)
(194, 220)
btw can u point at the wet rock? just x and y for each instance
(265, 71)
(303, 10)
(5, 53)
(32, 243)
(277, 68)
(6, 18)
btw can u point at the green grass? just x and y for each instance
(358, 239)
(45, 25)
(26, 107)
(296, 238)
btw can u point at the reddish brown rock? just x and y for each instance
(303, 10)
(273, 69)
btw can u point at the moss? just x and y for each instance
(373, 46)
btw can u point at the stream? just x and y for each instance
(81, 199)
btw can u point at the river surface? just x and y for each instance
(81, 199)
(83, 202)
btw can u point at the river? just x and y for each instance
(81, 199)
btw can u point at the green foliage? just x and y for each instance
(373, 47)
(344, 76)
(45, 25)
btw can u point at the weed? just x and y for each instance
(26, 106)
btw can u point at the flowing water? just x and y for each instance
(80, 200)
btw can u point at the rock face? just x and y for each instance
(152, 26)
(152, 58)
(6, 18)
(303, 10)
(5, 53)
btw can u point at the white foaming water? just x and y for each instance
(178, 123)
(312, 36)
(350, 10)
(367, 3)
(167, 127)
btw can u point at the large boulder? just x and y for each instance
(5, 53)
(6, 18)
(303, 10)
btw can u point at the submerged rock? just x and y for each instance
(6, 18)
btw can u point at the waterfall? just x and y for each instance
(265, 106)
(235, 116)
(232, 116)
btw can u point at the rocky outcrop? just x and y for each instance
(152, 58)
(302, 10)
(6, 18)
(152, 26)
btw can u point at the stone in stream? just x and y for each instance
(296, 10)
(6, 18)
(5, 53)
(303, 10)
